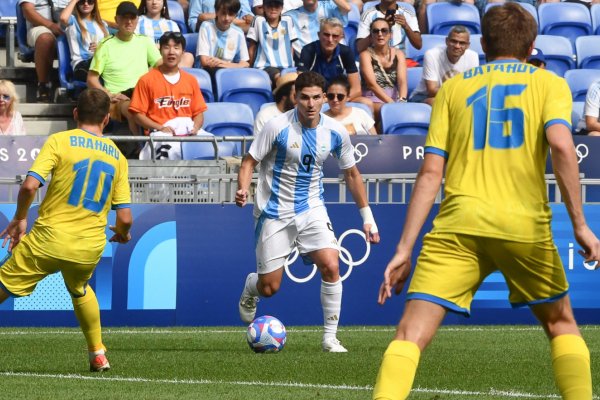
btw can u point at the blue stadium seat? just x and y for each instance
(405, 118)
(191, 45)
(8, 8)
(441, 17)
(176, 14)
(429, 42)
(588, 51)
(565, 19)
(595, 12)
(580, 80)
(25, 52)
(529, 7)
(206, 150)
(476, 45)
(413, 76)
(354, 15)
(229, 119)
(204, 82)
(350, 32)
(558, 52)
(65, 71)
(576, 114)
(244, 85)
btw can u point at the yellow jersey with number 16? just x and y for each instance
(89, 177)
(489, 122)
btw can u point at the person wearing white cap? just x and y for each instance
(537, 58)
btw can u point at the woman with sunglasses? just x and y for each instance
(383, 68)
(356, 120)
(154, 21)
(11, 121)
(85, 29)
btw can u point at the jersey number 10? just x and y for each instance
(91, 184)
(492, 129)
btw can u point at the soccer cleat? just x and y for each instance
(332, 345)
(247, 306)
(99, 364)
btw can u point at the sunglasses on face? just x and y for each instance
(82, 2)
(4, 97)
(383, 31)
(333, 96)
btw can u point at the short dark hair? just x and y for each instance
(177, 37)
(231, 6)
(341, 80)
(309, 79)
(508, 31)
(92, 106)
(284, 91)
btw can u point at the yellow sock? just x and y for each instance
(87, 311)
(397, 371)
(571, 364)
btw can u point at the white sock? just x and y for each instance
(331, 301)
(93, 354)
(251, 283)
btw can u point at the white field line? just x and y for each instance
(299, 385)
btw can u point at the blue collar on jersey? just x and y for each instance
(91, 133)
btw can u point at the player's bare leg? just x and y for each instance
(265, 285)
(570, 355)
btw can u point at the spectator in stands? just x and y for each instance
(443, 62)
(270, 40)
(121, 60)
(402, 22)
(306, 19)
(167, 100)
(220, 43)
(383, 68)
(537, 58)
(84, 30)
(356, 120)
(154, 20)
(11, 121)
(204, 10)
(108, 11)
(285, 100)
(42, 31)
(590, 120)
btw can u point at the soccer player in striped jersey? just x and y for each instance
(288, 206)
(89, 177)
(491, 128)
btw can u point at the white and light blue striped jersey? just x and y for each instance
(229, 45)
(291, 163)
(79, 45)
(154, 28)
(307, 24)
(398, 35)
(274, 45)
(198, 7)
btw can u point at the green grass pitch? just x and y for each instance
(469, 362)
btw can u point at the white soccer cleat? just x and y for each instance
(247, 306)
(99, 364)
(332, 345)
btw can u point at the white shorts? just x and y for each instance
(35, 32)
(276, 238)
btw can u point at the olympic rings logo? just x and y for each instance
(360, 151)
(582, 152)
(345, 257)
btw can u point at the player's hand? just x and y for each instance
(395, 275)
(241, 197)
(590, 244)
(372, 237)
(118, 236)
(13, 233)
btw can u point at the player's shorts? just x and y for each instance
(21, 271)
(35, 32)
(276, 238)
(451, 267)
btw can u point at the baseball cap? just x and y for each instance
(537, 54)
(267, 2)
(284, 79)
(127, 7)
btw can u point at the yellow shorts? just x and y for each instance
(21, 271)
(451, 267)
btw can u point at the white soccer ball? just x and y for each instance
(266, 334)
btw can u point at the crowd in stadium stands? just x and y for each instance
(114, 43)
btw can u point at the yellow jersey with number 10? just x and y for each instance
(89, 176)
(489, 122)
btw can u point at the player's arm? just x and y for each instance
(244, 179)
(423, 196)
(18, 226)
(566, 169)
(356, 186)
(122, 226)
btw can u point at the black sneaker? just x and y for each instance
(43, 93)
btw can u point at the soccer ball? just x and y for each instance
(266, 334)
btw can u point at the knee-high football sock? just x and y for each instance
(571, 364)
(331, 301)
(397, 371)
(87, 311)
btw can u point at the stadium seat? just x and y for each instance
(25, 52)
(350, 32)
(413, 76)
(204, 82)
(176, 14)
(569, 20)
(595, 12)
(476, 46)
(429, 42)
(244, 85)
(576, 114)
(8, 8)
(229, 119)
(441, 17)
(588, 51)
(529, 7)
(191, 42)
(405, 118)
(354, 15)
(558, 52)
(580, 80)
(65, 71)
(206, 150)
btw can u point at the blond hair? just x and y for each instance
(7, 87)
